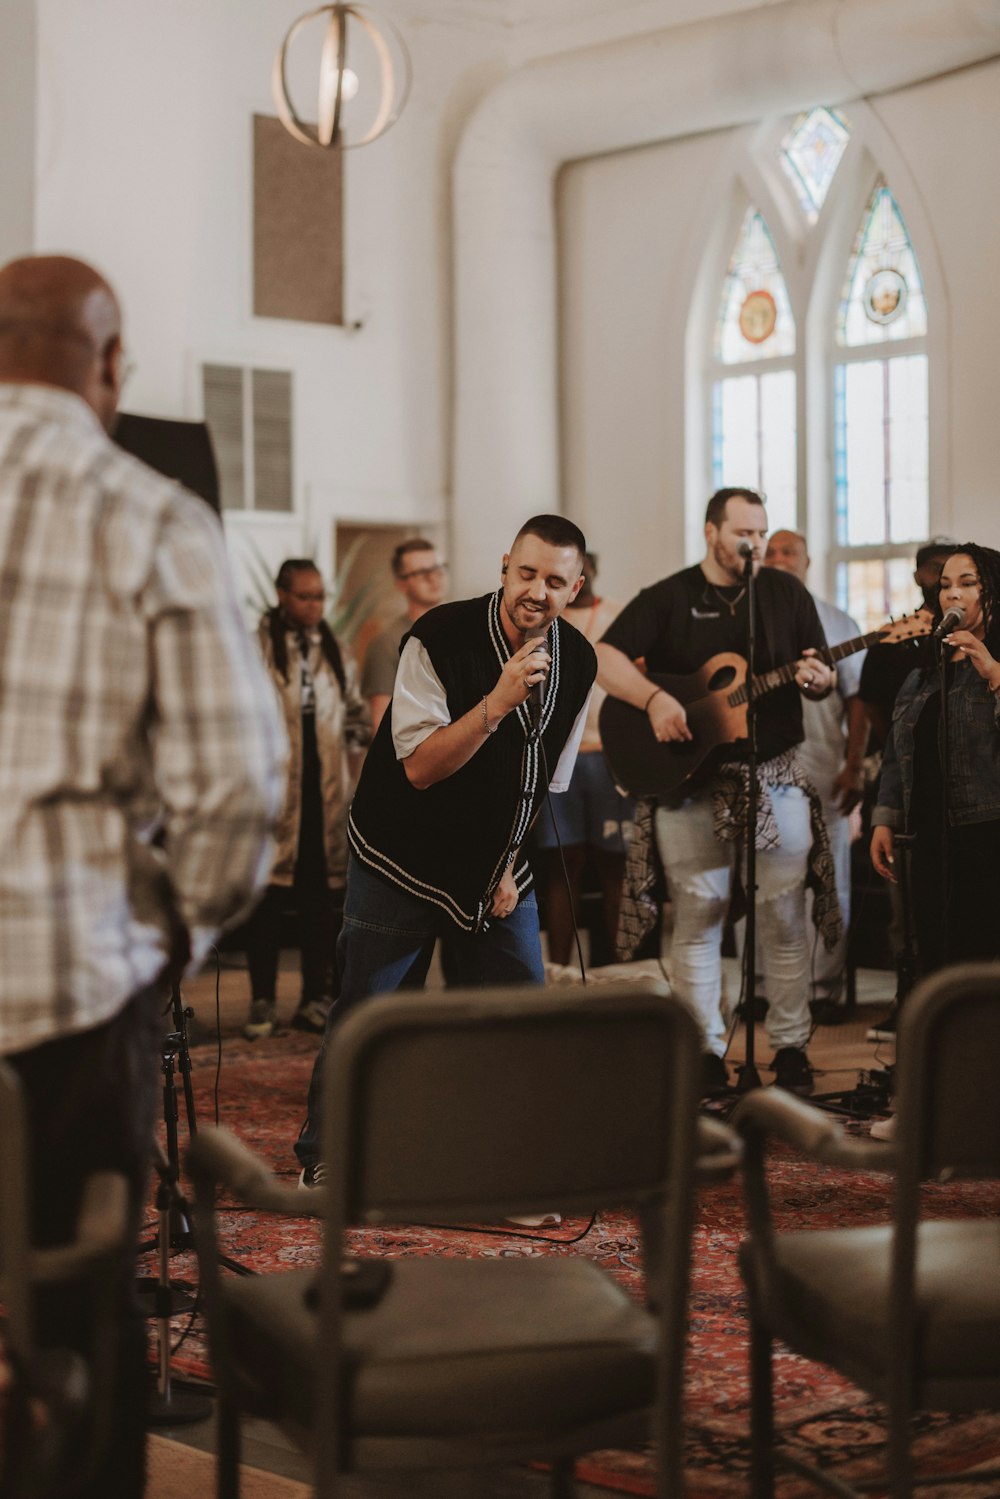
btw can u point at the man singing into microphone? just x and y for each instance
(453, 780)
(678, 625)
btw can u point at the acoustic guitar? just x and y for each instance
(715, 698)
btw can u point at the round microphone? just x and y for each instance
(536, 694)
(952, 619)
(745, 549)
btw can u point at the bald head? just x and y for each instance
(787, 551)
(60, 325)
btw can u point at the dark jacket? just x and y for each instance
(973, 750)
(451, 843)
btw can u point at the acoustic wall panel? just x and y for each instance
(298, 266)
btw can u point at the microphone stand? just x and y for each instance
(943, 664)
(747, 1074)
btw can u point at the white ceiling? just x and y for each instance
(541, 15)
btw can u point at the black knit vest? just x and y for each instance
(451, 843)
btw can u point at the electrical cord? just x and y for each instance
(218, 1030)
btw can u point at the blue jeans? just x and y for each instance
(385, 944)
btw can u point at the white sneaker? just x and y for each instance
(883, 1129)
(261, 1020)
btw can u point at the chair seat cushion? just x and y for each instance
(457, 1347)
(834, 1285)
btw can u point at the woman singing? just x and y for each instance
(954, 879)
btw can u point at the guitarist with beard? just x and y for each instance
(678, 625)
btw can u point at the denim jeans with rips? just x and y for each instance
(699, 868)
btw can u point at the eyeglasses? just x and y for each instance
(425, 572)
(126, 369)
(317, 597)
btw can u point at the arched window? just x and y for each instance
(754, 410)
(817, 371)
(880, 416)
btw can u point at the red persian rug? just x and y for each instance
(261, 1094)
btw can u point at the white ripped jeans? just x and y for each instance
(699, 869)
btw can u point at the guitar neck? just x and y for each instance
(767, 681)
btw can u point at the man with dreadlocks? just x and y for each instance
(955, 819)
(326, 719)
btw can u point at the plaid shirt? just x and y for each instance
(131, 699)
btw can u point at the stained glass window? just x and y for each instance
(754, 439)
(811, 153)
(881, 425)
(755, 316)
(876, 589)
(880, 448)
(883, 295)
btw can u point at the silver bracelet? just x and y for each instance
(486, 721)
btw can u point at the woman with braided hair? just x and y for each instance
(954, 879)
(327, 720)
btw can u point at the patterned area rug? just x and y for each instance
(261, 1095)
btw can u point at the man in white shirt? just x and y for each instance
(831, 754)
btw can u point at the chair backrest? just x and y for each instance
(14, 1236)
(496, 1102)
(948, 1122)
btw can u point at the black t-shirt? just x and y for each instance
(887, 667)
(681, 622)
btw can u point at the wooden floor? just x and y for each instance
(838, 1054)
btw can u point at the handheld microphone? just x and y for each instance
(536, 695)
(951, 619)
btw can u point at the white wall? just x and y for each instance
(145, 167)
(17, 129)
(633, 231)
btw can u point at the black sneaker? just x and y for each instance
(311, 1016)
(714, 1074)
(312, 1176)
(827, 1012)
(792, 1071)
(884, 1029)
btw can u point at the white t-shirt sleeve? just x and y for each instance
(419, 701)
(564, 768)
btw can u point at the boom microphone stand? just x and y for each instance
(747, 1074)
(943, 664)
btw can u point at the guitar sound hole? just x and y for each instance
(722, 678)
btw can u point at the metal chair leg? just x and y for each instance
(761, 1412)
(227, 1458)
(562, 1485)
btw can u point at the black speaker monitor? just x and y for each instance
(181, 450)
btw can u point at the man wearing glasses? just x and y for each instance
(420, 576)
